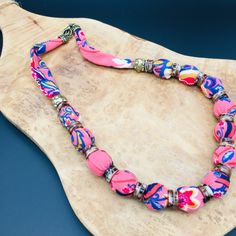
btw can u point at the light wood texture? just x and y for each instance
(160, 130)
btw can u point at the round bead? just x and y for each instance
(68, 115)
(218, 182)
(224, 105)
(188, 74)
(225, 129)
(225, 155)
(98, 161)
(190, 198)
(162, 68)
(139, 64)
(211, 86)
(156, 196)
(82, 139)
(124, 183)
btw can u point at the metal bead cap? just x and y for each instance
(206, 191)
(110, 171)
(139, 190)
(58, 100)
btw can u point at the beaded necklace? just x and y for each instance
(155, 196)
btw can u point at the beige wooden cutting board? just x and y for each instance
(160, 130)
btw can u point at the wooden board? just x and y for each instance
(160, 130)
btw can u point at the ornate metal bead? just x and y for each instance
(139, 190)
(139, 64)
(58, 101)
(92, 149)
(223, 168)
(201, 77)
(110, 172)
(227, 142)
(175, 69)
(219, 94)
(148, 66)
(76, 124)
(206, 191)
(172, 198)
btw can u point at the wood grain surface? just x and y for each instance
(160, 130)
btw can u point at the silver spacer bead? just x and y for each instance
(227, 117)
(139, 190)
(92, 149)
(223, 168)
(219, 94)
(172, 198)
(227, 142)
(206, 191)
(175, 69)
(148, 66)
(110, 171)
(74, 125)
(200, 78)
(58, 101)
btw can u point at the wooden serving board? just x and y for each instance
(160, 130)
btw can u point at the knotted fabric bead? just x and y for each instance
(68, 115)
(156, 196)
(211, 86)
(162, 68)
(225, 155)
(98, 161)
(225, 129)
(123, 182)
(190, 198)
(218, 182)
(224, 105)
(82, 138)
(188, 74)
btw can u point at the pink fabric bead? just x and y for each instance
(98, 161)
(225, 129)
(218, 181)
(156, 196)
(224, 106)
(225, 155)
(82, 138)
(123, 182)
(190, 198)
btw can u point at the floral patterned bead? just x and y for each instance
(68, 115)
(188, 74)
(156, 196)
(225, 155)
(225, 129)
(82, 138)
(162, 68)
(190, 198)
(211, 86)
(218, 182)
(224, 105)
(123, 182)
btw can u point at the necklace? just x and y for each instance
(155, 196)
